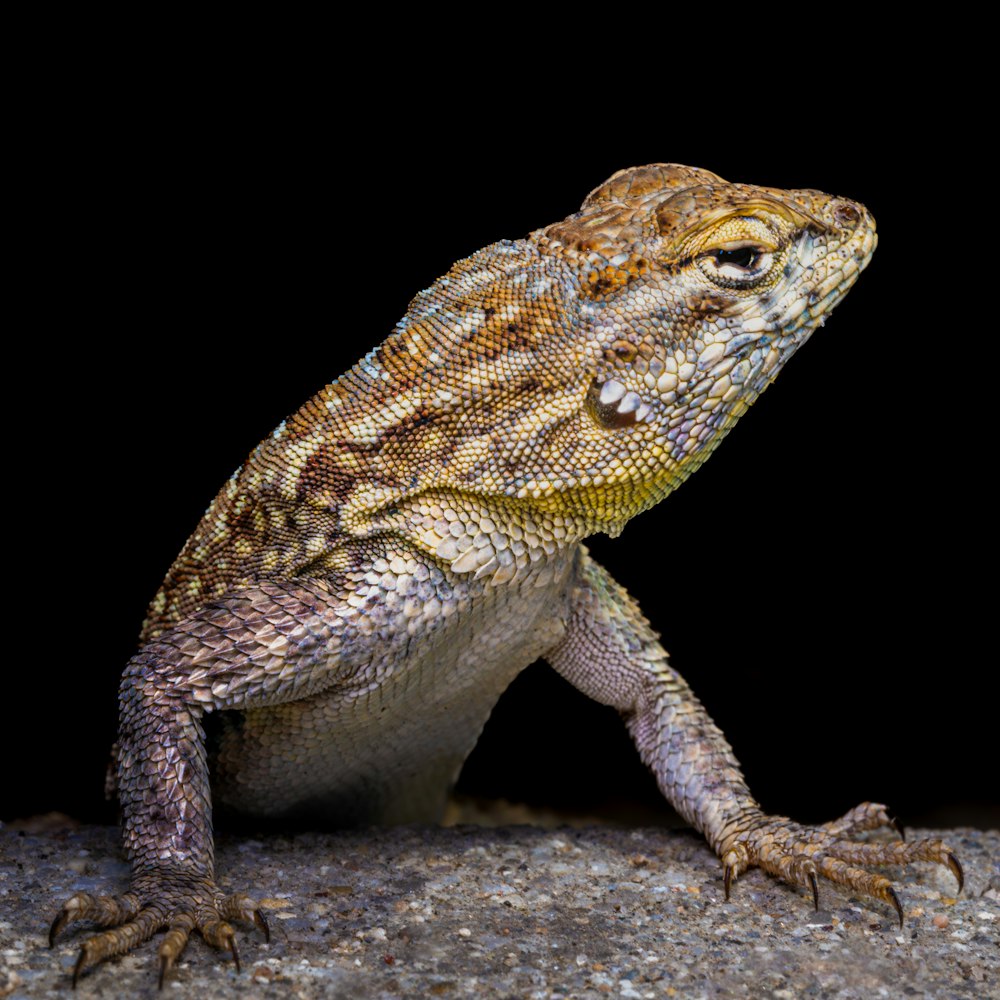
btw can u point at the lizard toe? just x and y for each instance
(866, 816)
(797, 853)
(106, 911)
(181, 904)
(117, 941)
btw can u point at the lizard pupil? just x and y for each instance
(744, 257)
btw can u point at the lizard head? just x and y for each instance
(693, 294)
(586, 371)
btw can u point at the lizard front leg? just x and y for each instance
(611, 654)
(259, 647)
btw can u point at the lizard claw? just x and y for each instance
(174, 943)
(235, 952)
(81, 961)
(956, 869)
(165, 963)
(735, 861)
(815, 888)
(62, 918)
(895, 902)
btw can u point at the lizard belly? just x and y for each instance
(389, 751)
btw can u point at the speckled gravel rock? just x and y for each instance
(516, 912)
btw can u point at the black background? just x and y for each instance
(206, 249)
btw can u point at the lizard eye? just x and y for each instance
(736, 264)
(742, 257)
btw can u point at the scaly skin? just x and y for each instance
(363, 589)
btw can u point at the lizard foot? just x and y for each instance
(179, 903)
(798, 854)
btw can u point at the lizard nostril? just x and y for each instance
(846, 215)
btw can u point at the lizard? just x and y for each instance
(333, 636)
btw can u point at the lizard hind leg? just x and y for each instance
(180, 905)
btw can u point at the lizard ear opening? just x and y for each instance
(612, 406)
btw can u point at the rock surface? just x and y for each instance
(515, 912)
